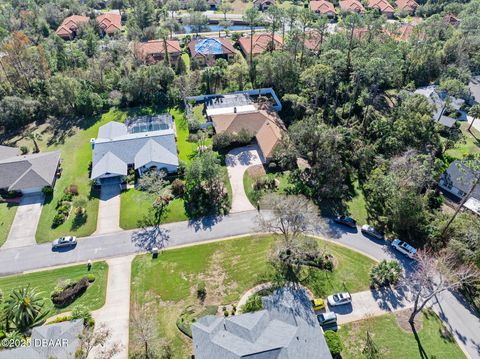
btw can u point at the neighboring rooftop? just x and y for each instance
(382, 5)
(407, 5)
(352, 6)
(322, 7)
(156, 48)
(70, 25)
(230, 103)
(7, 152)
(261, 43)
(287, 328)
(63, 339)
(110, 22)
(460, 176)
(211, 46)
(24, 172)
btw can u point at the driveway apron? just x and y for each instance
(109, 209)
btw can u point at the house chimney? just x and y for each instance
(235, 110)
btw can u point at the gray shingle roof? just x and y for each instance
(67, 331)
(460, 176)
(287, 328)
(112, 130)
(29, 171)
(7, 152)
(135, 149)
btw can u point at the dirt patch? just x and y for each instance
(402, 320)
(256, 171)
(215, 281)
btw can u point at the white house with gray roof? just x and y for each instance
(286, 328)
(141, 145)
(27, 173)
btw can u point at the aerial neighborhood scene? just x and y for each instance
(226, 179)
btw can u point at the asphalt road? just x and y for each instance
(451, 307)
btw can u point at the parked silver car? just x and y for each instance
(404, 247)
(64, 242)
(371, 231)
(339, 299)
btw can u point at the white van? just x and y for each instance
(404, 248)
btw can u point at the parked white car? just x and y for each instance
(339, 299)
(404, 247)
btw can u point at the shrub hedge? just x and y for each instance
(69, 293)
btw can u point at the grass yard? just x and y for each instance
(7, 214)
(135, 204)
(254, 195)
(227, 268)
(471, 144)
(356, 206)
(186, 149)
(395, 343)
(76, 156)
(46, 281)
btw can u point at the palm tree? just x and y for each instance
(35, 137)
(24, 307)
(252, 17)
(475, 114)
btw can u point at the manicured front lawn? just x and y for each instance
(46, 281)
(228, 269)
(76, 156)
(396, 343)
(186, 149)
(135, 204)
(7, 214)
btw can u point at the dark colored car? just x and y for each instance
(347, 221)
(372, 232)
(64, 242)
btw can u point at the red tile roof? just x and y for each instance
(312, 41)
(110, 22)
(451, 19)
(71, 24)
(352, 6)
(407, 5)
(382, 5)
(148, 49)
(322, 7)
(260, 43)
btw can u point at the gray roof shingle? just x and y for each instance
(460, 176)
(112, 130)
(7, 152)
(287, 328)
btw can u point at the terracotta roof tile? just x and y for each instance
(153, 47)
(382, 5)
(260, 43)
(407, 5)
(352, 6)
(110, 22)
(71, 24)
(322, 7)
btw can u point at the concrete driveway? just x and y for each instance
(24, 226)
(108, 220)
(237, 161)
(115, 314)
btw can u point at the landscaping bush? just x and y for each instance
(69, 293)
(81, 312)
(334, 343)
(201, 291)
(64, 209)
(385, 273)
(58, 220)
(65, 318)
(47, 190)
(90, 277)
(193, 137)
(24, 150)
(178, 188)
(253, 304)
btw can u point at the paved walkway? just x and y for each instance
(238, 160)
(109, 209)
(24, 226)
(116, 311)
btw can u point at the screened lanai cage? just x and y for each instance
(149, 123)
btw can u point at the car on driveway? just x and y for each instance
(339, 299)
(371, 232)
(347, 221)
(404, 247)
(318, 304)
(64, 242)
(328, 321)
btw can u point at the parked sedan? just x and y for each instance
(404, 247)
(318, 304)
(371, 231)
(347, 221)
(327, 318)
(339, 299)
(64, 242)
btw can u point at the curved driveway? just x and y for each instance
(451, 307)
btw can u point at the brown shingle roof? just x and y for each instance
(260, 43)
(352, 6)
(156, 47)
(71, 24)
(383, 5)
(110, 22)
(322, 7)
(407, 5)
(267, 127)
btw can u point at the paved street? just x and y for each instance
(453, 311)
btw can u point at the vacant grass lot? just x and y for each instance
(396, 343)
(76, 155)
(46, 281)
(228, 268)
(7, 214)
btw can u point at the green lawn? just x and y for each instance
(228, 269)
(187, 150)
(45, 282)
(76, 156)
(7, 214)
(254, 195)
(471, 144)
(356, 206)
(134, 205)
(395, 343)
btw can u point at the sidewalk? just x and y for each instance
(115, 314)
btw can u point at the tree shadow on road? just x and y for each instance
(149, 238)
